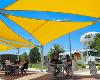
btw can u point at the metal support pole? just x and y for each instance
(18, 54)
(29, 49)
(70, 47)
(42, 58)
(29, 55)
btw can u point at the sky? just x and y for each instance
(62, 41)
(75, 38)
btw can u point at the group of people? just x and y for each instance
(68, 64)
(12, 66)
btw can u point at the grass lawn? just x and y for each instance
(38, 66)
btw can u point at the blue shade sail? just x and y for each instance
(55, 16)
(5, 3)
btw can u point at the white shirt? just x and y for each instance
(7, 62)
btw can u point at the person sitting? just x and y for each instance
(25, 66)
(16, 62)
(8, 68)
(16, 67)
(3, 64)
(54, 61)
(8, 62)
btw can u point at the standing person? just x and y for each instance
(25, 66)
(68, 66)
(54, 61)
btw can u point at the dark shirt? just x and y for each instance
(56, 61)
(69, 61)
(25, 65)
(16, 62)
(3, 63)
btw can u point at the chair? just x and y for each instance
(7, 70)
(15, 69)
(52, 70)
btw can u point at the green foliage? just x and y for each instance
(81, 63)
(96, 43)
(12, 57)
(24, 56)
(99, 67)
(88, 36)
(34, 55)
(55, 51)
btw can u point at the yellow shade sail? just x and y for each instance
(4, 47)
(16, 45)
(81, 7)
(8, 34)
(46, 31)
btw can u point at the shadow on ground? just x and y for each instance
(13, 77)
(45, 77)
(75, 77)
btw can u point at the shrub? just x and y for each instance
(82, 65)
(99, 67)
(38, 66)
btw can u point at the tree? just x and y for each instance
(34, 55)
(96, 43)
(12, 57)
(24, 56)
(55, 51)
(89, 43)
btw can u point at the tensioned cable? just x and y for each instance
(39, 26)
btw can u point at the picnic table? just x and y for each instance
(12, 69)
(16, 69)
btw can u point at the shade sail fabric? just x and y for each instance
(46, 31)
(53, 16)
(4, 47)
(5, 3)
(82, 7)
(8, 34)
(15, 44)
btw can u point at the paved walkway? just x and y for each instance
(38, 75)
(32, 76)
(49, 77)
